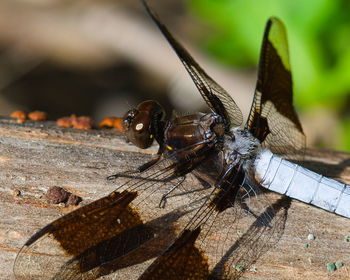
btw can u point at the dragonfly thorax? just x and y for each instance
(193, 131)
(240, 145)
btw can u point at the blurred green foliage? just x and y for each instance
(319, 40)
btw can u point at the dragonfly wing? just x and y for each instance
(125, 228)
(216, 243)
(214, 95)
(273, 119)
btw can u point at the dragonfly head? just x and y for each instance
(144, 123)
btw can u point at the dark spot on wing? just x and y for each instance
(182, 261)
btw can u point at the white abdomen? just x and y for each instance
(284, 177)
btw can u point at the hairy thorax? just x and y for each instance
(240, 147)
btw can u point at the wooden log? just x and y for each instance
(37, 155)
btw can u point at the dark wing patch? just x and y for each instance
(141, 231)
(251, 227)
(125, 228)
(273, 119)
(214, 95)
(181, 261)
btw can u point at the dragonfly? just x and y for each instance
(159, 223)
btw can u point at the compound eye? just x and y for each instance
(141, 123)
(138, 123)
(139, 130)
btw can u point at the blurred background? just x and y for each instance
(99, 58)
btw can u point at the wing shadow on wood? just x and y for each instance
(133, 246)
(253, 243)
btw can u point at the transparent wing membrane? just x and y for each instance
(214, 95)
(272, 118)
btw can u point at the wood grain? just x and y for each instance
(36, 156)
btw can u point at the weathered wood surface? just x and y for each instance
(35, 156)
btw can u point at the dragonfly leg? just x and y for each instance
(123, 174)
(163, 200)
(149, 164)
(138, 170)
